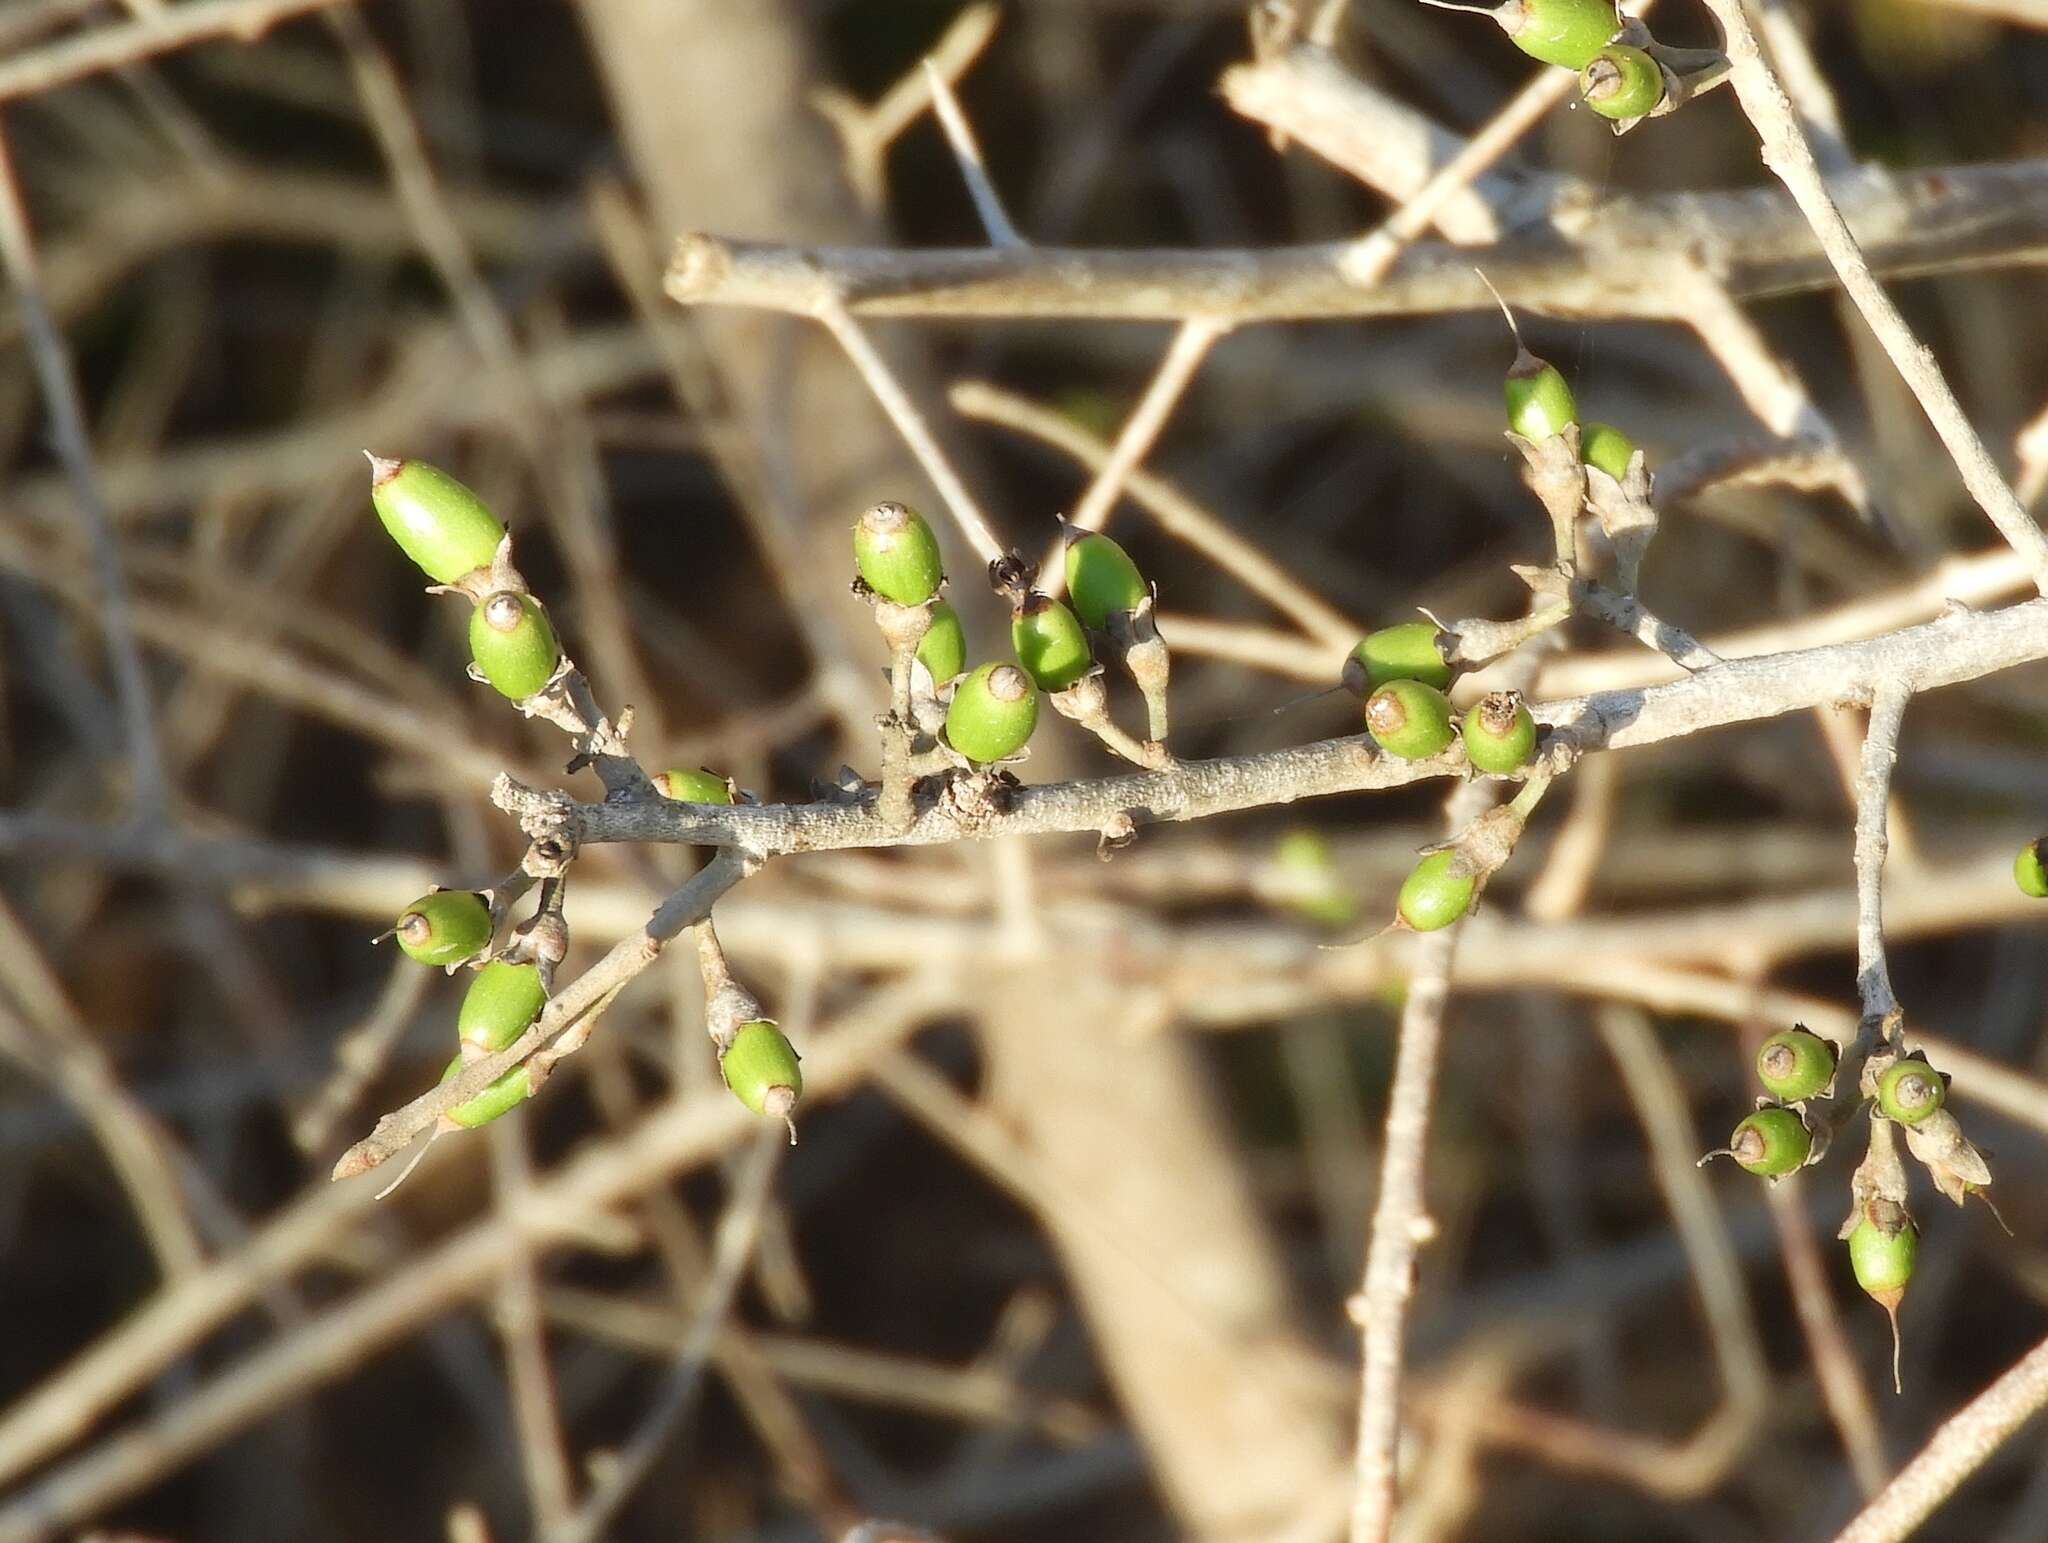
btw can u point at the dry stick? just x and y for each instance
(107, 48)
(73, 444)
(1965, 1442)
(1873, 792)
(1787, 153)
(988, 203)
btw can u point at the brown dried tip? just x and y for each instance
(887, 518)
(382, 468)
(503, 612)
(1007, 683)
(1497, 711)
(413, 928)
(1385, 714)
(1748, 1145)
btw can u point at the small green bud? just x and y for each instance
(501, 1097)
(1909, 1090)
(2030, 869)
(897, 554)
(693, 787)
(1050, 642)
(445, 927)
(501, 1001)
(760, 1066)
(1435, 894)
(1102, 579)
(943, 649)
(1408, 651)
(1795, 1064)
(1540, 402)
(1500, 735)
(512, 644)
(1883, 1261)
(1567, 33)
(993, 712)
(1622, 82)
(1605, 446)
(1410, 720)
(436, 521)
(1771, 1142)
(1318, 891)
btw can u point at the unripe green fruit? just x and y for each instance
(1540, 402)
(1795, 1064)
(501, 1001)
(2030, 869)
(1102, 579)
(760, 1066)
(501, 1097)
(994, 711)
(943, 649)
(1321, 897)
(1622, 82)
(1410, 720)
(1909, 1090)
(1050, 643)
(1562, 32)
(512, 644)
(1500, 734)
(1771, 1142)
(693, 787)
(1883, 1262)
(1435, 894)
(436, 521)
(445, 927)
(897, 554)
(1605, 446)
(1408, 651)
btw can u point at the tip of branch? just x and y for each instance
(382, 468)
(698, 266)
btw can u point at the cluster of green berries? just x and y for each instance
(1541, 406)
(459, 544)
(449, 927)
(994, 707)
(1616, 80)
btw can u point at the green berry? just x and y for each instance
(760, 1066)
(994, 711)
(693, 787)
(1771, 1142)
(1622, 82)
(1795, 1064)
(501, 1001)
(1539, 399)
(1883, 1261)
(1605, 446)
(436, 521)
(1102, 579)
(897, 554)
(1408, 651)
(445, 927)
(512, 644)
(501, 1097)
(1500, 735)
(1561, 32)
(1050, 643)
(1410, 720)
(2030, 869)
(1317, 891)
(943, 649)
(1435, 893)
(1909, 1090)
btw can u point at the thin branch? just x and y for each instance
(107, 48)
(1873, 793)
(988, 203)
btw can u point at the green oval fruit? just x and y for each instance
(1407, 651)
(1318, 891)
(1540, 402)
(501, 1097)
(760, 1066)
(1771, 1142)
(512, 644)
(1909, 1090)
(1500, 735)
(1605, 446)
(1795, 1064)
(445, 927)
(2030, 869)
(1410, 720)
(897, 554)
(943, 649)
(436, 521)
(1050, 642)
(993, 712)
(1102, 579)
(1883, 1262)
(1435, 894)
(693, 787)
(501, 1001)
(1562, 32)
(1621, 82)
